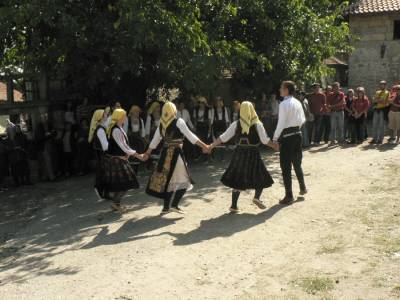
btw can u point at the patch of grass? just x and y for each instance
(388, 244)
(314, 285)
(396, 290)
(331, 244)
(378, 282)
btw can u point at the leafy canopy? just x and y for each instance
(116, 47)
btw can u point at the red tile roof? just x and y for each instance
(373, 6)
(334, 61)
(3, 93)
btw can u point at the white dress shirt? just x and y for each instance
(149, 125)
(184, 114)
(291, 114)
(183, 129)
(231, 131)
(121, 139)
(101, 134)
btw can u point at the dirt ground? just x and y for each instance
(341, 241)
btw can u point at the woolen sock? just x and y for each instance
(258, 193)
(178, 196)
(235, 198)
(167, 201)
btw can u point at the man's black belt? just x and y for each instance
(290, 131)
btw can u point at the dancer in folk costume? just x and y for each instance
(171, 175)
(246, 169)
(136, 133)
(98, 139)
(119, 175)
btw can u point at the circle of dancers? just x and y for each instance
(170, 129)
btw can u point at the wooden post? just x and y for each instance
(10, 90)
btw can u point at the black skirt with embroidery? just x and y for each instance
(118, 174)
(247, 170)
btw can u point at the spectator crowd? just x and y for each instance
(58, 146)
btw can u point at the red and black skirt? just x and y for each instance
(247, 170)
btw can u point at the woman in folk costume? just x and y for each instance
(202, 123)
(171, 175)
(136, 133)
(153, 119)
(246, 169)
(98, 140)
(119, 175)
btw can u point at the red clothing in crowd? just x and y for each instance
(317, 103)
(360, 104)
(393, 94)
(336, 100)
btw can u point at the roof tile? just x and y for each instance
(374, 6)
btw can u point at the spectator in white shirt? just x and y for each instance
(153, 119)
(184, 114)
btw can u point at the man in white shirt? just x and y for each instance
(288, 132)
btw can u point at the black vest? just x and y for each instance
(172, 132)
(205, 116)
(113, 148)
(96, 141)
(252, 137)
(223, 115)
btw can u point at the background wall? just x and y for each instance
(366, 67)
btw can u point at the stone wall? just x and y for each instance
(366, 67)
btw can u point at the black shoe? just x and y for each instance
(176, 209)
(286, 201)
(303, 191)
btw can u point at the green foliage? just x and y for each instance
(117, 47)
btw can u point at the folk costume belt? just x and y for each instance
(173, 143)
(119, 156)
(244, 142)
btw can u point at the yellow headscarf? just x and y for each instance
(117, 115)
(134, 109)
(152, 107)
(248, 116)
(168, 114)
(97, 117)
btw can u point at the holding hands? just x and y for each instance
(206, 149)
(275, 146)
(141, 157)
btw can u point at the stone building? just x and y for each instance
(375, 25)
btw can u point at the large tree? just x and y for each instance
(106, 48)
